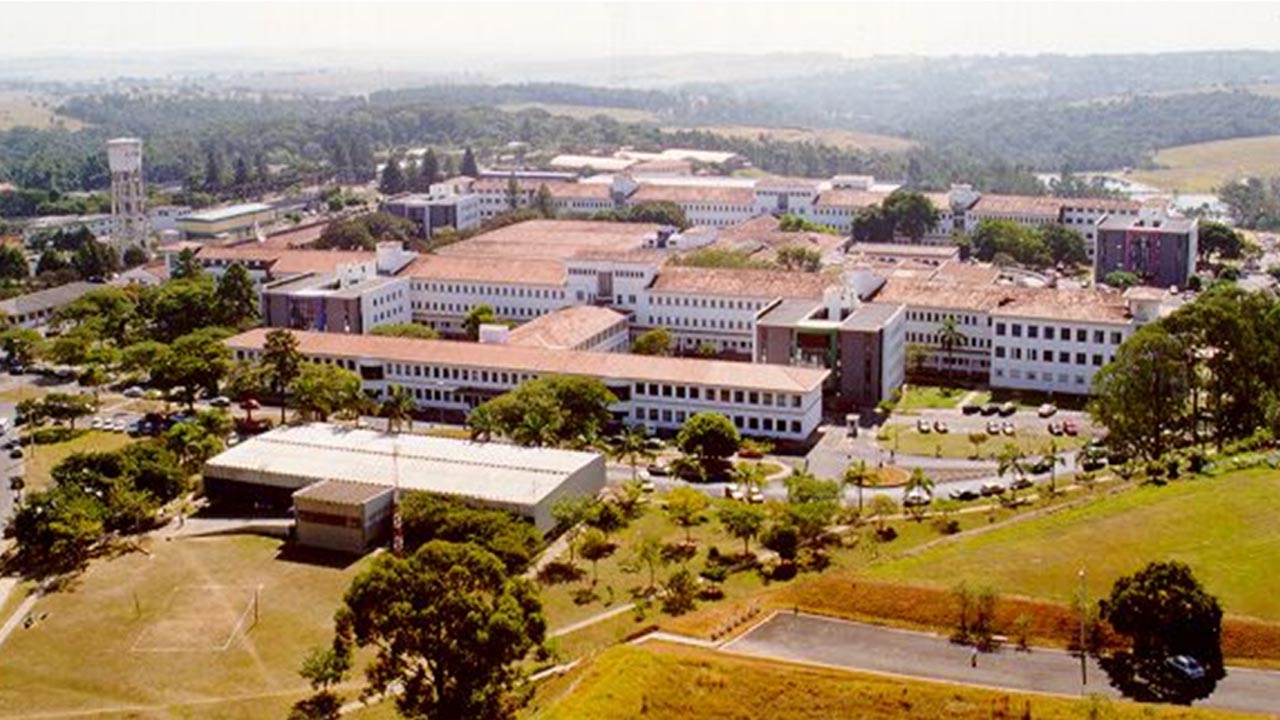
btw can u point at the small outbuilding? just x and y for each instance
(345, 516)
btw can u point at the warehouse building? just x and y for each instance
(273, 467)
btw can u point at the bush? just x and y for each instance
(56, 434)
(559, 572)
(716, 573)
(886, 534)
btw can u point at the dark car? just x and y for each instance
(1042, 466)
(658, 470)
(1021, 484)
(992, 488)
(990, 409)
(1008, 409)
(964, 494)
(970, 408)
(15, 453)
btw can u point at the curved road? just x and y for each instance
(857, 646)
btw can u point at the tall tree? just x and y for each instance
(1215, 238)
(686, 507)
(214, 171)
(469, 166)
(1164, 612)
(477, 316)
(430, 167)
(236, 298)
(398, 408)
(185, 265)
(320, 390)
(197, 364)
(912, 214)
(658, 341)
(950, 337)
(710, 437)
(282, 361)
(742, 521)
(448, 626)
(632, 447)
(13, 263)
(1141, 395)
(392, 181)
(242, 176)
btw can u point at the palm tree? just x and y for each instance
(1053, 458)
(483, 423)
(632, 448)
(918, 480)
(752, 475)
(859, 476)
(398, 408)
(1010, 460)
(950, 337)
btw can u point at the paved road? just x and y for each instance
(826, 641)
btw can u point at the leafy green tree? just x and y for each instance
(872, 225)
(742, 521)
(320, 390)
(282, 361)
(920, 481)
(800, 258)
(214, 171)
(67, 407)
(882, 508)
(95, 260)
(658, 341)
(710, 437)
(994, 238)
(51, 261)
(13, 263)
(196, 364)
(144, 356)
(179, 307)
(406, 330)
(185, 265)
(681, 592)
(912, 214)
(477, 316)
(978, 439)
(241, 177)
(1164, 612)
(1141, 395)
(782, 538)
(558, 411)
(193, 444)
(448, 627)
(661, 213)
(647, 552)
(571, 514)
(1065, 245)
(134, 256)
(430, 171)
(1121, 279)
(21, 345)
(1218, 239)
(594, 546)
(236, 298)
(544, 202)
(686, 507)
(322, 668)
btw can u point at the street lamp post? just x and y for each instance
(1084, 615)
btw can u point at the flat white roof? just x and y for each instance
(295, 457)
(224, 213)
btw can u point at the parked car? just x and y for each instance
(970, 408)
(964, 494)
(220, 401)
(1008, 409)
(990, 409)
(940, 427)
(1055, 428)
(1186, 666)
(991, 488)
(923, 426)
(755, 497)
(15, 453)
(134, 392)
(96, 423)
(1047, 410)
(1007, 428)
(993, 427)
(646, 485)
(1020, 483)
(17, 369)
(916, 497)
(735, 493)
(658, 470)
(1070, 428)
(1042, 466)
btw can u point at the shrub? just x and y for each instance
(716, 573)
(56, 434)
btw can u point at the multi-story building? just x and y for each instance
(128, 193)
(35, 310)
(447, 205)
(444, 288)
(1160, 250)
(580, 327)
(331, 302)
(766, 400)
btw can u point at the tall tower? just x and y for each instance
(129, 225)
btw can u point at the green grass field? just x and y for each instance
(584, 112)
(922, 397)
(1203, 167)
(843, 139)
(955, 444)
(41, 459)
(20, 109)
(666, 681)
(1224, 527)
(113, 640)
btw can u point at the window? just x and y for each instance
(1097, 360)
(1082, 335)
(1033, 331)
(1048, 332)
(1115, 338)
(999, 328)
(1000, 351)
(1017, 330)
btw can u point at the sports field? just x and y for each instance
(1203, 167)
(224, 622)
(665, 681)
(1224, 528)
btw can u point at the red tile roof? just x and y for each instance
(703, 194)
(767, 284)
(607, 366)
(566, 328)
(490, 269)
(553, 239)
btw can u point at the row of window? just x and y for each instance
(1047, 356)
(677, 417)
(1063, 378)
(1049, 332)
(717, 303)
(495, 290)
(724, 395)
(936, 339)
(516, 311)
(937, 317)
(703, 323)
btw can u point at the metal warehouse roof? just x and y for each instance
(295, 457)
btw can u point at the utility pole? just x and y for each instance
(1084, 615)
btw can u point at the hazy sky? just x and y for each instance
(376, 31)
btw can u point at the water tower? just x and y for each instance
(129, 225)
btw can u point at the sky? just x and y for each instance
(453, 32)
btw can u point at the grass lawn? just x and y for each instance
(845, 139)
(1203, 167)
(955, 444)
(1224, 528)
(85, 656)
(41, 459)
(921, 397)
(668, 681)
(584, 112)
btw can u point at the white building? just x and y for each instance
(774, 401)
(128, 193)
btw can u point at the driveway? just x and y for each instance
(857, 646)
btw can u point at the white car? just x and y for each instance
(916, 497)
(1047, 410)
(755, 497)
(735, 493)
(134, 392)
(97, 423)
